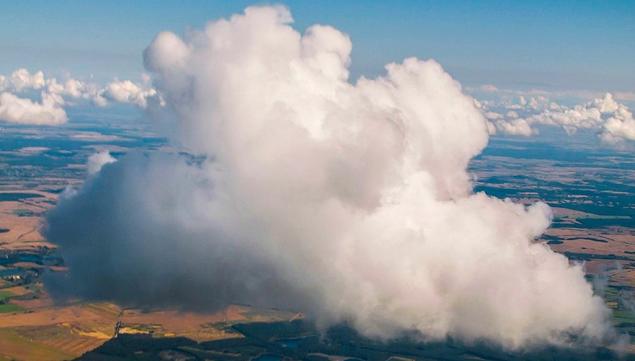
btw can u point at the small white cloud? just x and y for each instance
(14, 109)
(55, 95)
(620, 126)
(22, 79)
(613, 120)
(493, 115)
(98, 160)
(128, 92)
(516, 127)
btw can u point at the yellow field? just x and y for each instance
(66, 332)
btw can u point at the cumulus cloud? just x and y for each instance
(618, 127)
(98, 160)
(612, 120)
(14, 109)
(299, 189)
(75, 89)
(22, 79)
(127, 91)
(55, 95)
(515, 127)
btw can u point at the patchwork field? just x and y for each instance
(593, 203)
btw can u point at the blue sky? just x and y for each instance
(516, 44)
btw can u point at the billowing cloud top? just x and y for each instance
(98, 160)
(348, 201)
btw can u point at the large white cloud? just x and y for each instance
(349, 201)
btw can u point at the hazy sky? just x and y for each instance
(530, 44)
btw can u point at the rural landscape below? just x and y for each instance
(264, 188)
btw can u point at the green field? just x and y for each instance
(5, 295)
(6, 307)
(10, 308)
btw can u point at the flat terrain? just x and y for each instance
(592, 194)
(35, 168)
(299, 340)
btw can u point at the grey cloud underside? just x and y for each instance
(142, 252)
